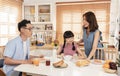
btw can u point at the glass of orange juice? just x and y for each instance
(36, 61)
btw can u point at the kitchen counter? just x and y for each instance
(46, 46)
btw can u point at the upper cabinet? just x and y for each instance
(40, 17)
(44, 13)
(29, 12)
(37, 12)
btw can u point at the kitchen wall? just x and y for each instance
(114, 13)
(53, 3)
(59, 0)
(114, 22)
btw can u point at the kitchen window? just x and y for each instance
(7, 26)
(9, 17)
(69, 17)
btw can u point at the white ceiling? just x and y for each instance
(60, 0)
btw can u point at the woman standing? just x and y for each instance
(91, 34)
(69, 47)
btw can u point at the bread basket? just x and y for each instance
(110, 70)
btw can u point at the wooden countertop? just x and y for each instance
(46, 46)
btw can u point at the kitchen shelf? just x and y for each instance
(40, 17)
(37, 12)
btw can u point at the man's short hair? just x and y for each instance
(23, 24)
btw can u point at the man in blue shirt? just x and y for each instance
(17, 50)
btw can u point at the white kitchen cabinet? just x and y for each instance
(29, 12)
(40, 17)
(37, 12)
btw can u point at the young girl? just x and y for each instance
(69, 47)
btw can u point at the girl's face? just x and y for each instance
(85, 23)
(69, 40)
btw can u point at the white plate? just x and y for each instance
(67, 57)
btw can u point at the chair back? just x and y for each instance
(1, 51)
(2, 73)
(1, 63)
(99, 54)
(111, 53)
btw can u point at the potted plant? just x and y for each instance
(118, 64)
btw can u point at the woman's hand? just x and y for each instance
(82, 57)
(88, 59)
(81, 40)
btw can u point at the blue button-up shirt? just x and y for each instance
(14, 50)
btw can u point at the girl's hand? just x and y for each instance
(62, 55)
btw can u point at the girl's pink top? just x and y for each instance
(68, 49)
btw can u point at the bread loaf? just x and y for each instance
(59, 63)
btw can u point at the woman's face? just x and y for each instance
(70, 40)
(85, 23)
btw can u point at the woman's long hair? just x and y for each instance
(67, 34)
(91, 19)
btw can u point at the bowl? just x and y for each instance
(40, 44)
(67, 57)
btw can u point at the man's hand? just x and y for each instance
(27, 61)
(41, 56)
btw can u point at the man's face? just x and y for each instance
(27, 31)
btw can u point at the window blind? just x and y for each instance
(69, 17)
(10, 15)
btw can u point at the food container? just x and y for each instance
(44, 11)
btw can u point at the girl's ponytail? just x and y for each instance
(63, 46)
(73, 48)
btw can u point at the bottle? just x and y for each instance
(46, 27)
(47, 62)
(36, 40)
(40, 19)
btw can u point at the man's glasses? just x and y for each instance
(30, 29)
